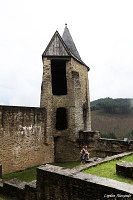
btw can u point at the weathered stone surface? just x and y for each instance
(109, 147)
(22, 138)
(125, 169)
(99, 147)
(76, 99)
(77, 95)
(65, 184)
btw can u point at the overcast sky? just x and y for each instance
(101, 29)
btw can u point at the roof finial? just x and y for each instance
(66, 25)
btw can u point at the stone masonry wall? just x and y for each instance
(66, 150)
(56, 183)
(84, 95)
(109, 147)
(23, 138)
(101, 147)
(77, 97)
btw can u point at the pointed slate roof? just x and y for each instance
(62, 47)
(67, 38)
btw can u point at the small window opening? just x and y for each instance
(84, 114)
(61, 119)
(59, 83)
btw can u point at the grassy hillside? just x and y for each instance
(112, 124)
(113, 106)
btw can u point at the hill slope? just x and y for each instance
(115, 124)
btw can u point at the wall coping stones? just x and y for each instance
(105, 182)
(124, 187)
(31, 184)
(115, 140)
(15, 183)
(18, 107)
(57, 170)
(102, 160)
(125, 164)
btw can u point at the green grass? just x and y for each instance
(108, 170)
(7, 198)
(67, 164)
(27, 175)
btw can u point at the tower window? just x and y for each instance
(59, 83)
(61, 119)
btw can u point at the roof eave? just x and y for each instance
(65, 58)
(80, 61)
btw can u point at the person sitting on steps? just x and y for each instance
(84, 155)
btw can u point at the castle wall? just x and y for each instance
(102, 147)
(67, 150)
(109, 147)
(23, 138)
(66, 184)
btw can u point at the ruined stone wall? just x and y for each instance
(66, 184)
(102, 147)
(23, 138)
(67, 150)
(109, 147)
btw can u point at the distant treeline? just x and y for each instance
(113, 106)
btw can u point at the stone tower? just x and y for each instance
(65, 89)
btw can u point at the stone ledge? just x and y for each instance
(90, 186)
(15, 183)
(125, 187)
(125, 169)
(31, 184)
(101, 160)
